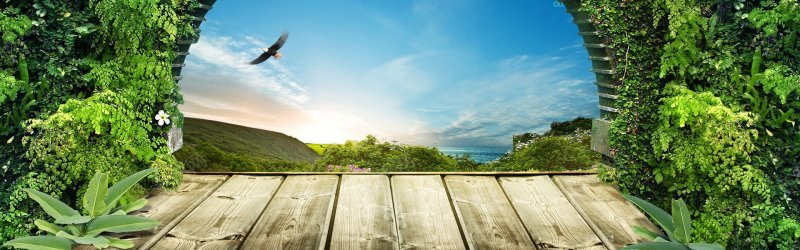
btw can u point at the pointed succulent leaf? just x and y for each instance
(133, 206)
(80, 219)
(646, 234)
(52, 206)
(73, 229)
(119, 224)
(41, 243)
(706, 246)
(120, 243)
(660, 239)
(116, 191)
(84, 240)
(119, 212)
(47, 226)
(94, 198)
(661, 217)
(682, 221)
(658, 246)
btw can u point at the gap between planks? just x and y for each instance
(156, 237)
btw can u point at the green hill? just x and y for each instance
(217, 146)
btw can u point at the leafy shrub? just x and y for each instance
(80, 82)
(101, 214)
(550, 153)
(387, 156)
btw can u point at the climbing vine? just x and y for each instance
(80, 84)
(710, 106)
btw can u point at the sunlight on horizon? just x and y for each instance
(422, 72)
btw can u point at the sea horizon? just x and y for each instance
(477, 153)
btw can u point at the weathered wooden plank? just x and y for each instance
(548, 216)
(298, 216)
(604, 209)
(222, 220)
(169, 207)
(425, 219)
(486, 216)
(364, 214)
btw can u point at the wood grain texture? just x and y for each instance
(298, 216)
(486, 216)
(168, 206)
(425, 219)
(604, 209)
(364, 214)
(225, 218)
(548, 216)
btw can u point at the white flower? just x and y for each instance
(162, 118)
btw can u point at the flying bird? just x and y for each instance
(272, 50)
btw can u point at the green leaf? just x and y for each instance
(40, 243)
(121, 244)
(659, 215)
(657, 246)
(682, 221)
(94, 198)
(647, 234)
(116, 191)
(99, 242)
(80, 219)
(133, 206)
(119, 224)
(52, 206)
(47, 226)
(706, 246)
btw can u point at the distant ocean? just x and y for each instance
(479, 154)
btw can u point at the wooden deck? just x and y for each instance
(391, 211)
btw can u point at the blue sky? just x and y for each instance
(437, 73)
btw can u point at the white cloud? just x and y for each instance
(223, 56)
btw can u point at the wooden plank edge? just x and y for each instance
(453, 209)
(457, 214)
(261, 213)
(174, 222)
(527, 232)
(328, 228)
(608, 244)
(582, 172)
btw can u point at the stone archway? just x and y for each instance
(602, 66)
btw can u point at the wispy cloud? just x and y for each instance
(228, 57)
(525, 94)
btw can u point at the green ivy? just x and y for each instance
(71, 108)
(709, 111)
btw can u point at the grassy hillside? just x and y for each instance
(319, 148)
(218, 146)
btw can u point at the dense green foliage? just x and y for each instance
(565, 147)
(388, 156)
(80, 83)
(710, 105)
(556, 129)
(217, 146)
(102, 214)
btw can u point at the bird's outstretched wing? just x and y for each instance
(263, 57)
(278, 44)
(272, 50)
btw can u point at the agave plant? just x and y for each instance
(678, 227)
(102, 214)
